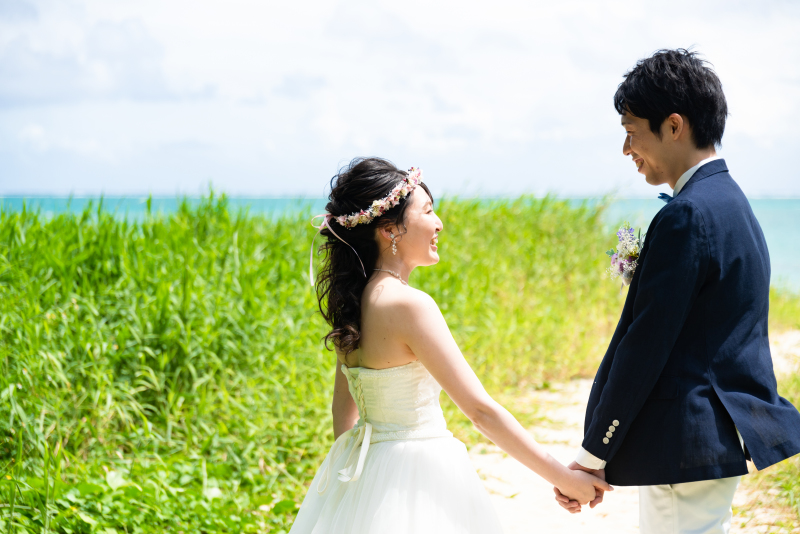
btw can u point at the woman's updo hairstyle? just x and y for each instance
(341, 281)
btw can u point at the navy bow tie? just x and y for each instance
(665, 197)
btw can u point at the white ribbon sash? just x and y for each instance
(354, 465)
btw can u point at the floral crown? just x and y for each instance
(379, 207)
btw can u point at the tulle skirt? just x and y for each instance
(414, 486)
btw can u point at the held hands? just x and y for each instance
(586, 486)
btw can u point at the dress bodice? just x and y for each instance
(398, 402)
(398, 470)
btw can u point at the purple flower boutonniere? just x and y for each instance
(625, 258)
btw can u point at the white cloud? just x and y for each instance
(268, 98)
(110, 61)
(33, 135)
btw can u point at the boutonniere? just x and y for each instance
(625, 258)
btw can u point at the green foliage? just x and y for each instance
(784, 309)
(789, 475)
(168, 375)
(523, 288)
(784, 313)
(181, 354)
(785, 476)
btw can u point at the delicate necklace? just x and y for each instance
(393, 274)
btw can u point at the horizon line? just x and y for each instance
(145, 196)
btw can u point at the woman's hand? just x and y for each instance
(582, 487)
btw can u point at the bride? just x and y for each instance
(394, 467)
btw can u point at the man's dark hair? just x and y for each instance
(675, 81)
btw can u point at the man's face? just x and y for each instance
(649, 153)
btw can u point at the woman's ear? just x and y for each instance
(386, 232)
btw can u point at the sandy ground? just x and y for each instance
(525, 502)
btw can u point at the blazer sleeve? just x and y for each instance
(670, 275)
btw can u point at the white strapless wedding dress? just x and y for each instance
(399, 470)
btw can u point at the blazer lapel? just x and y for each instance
(713, 167)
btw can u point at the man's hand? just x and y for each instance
(574, 507)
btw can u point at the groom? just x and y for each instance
(686, 391)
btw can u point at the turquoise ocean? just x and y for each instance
(779, 218)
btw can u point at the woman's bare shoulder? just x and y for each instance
(395, 294)
(417, 298)
(401, 302)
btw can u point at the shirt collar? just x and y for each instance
(685, 177)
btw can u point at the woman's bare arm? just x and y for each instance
(423, 328)
(344, 409)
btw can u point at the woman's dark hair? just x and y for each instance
(675, 81)
(341, 281)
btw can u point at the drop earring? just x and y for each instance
(394, 245)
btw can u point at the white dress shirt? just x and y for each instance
(585, 458)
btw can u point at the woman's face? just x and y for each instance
(418, 245)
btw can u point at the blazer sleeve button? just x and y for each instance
(615, 423)
(605, 440)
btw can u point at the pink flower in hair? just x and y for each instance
(381, 206)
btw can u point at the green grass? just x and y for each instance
(784, 310)
(785, 476)
(168, 375)
(785, 314)
(176, 362)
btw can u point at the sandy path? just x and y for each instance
(525, 502)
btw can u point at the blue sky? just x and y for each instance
(270, 98)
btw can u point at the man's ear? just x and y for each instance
(675, 125)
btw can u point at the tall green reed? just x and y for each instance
(168, 374)
(146, 347)
(522, 286)
(785, 476)
(784, 309)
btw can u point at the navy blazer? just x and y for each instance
(689, 362)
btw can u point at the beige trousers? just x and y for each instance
(702, 507)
